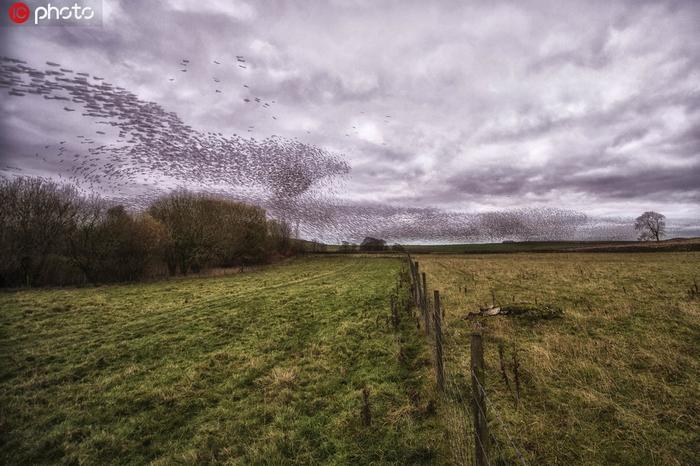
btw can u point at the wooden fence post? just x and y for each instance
(366, 410)
(516, 376)
(481, 433)
(418, 290)
(424, 306)
(439, 366)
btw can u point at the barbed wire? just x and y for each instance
(503, 425)
(453, 392)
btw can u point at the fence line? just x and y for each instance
(467, 418)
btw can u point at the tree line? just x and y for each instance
(50, 234)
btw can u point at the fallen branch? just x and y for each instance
(535, 311)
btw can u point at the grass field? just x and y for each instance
(264, 367)
(615, 381)
(477, 248)
(672, 245)
(267, 367)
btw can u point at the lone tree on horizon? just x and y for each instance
(651, 225)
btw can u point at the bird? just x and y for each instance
(152, 141)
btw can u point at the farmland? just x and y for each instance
(672, 245)
(265, 367)
(268, 366)
(614, 381)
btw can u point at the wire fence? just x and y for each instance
(476, 431)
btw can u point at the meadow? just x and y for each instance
(613, 381)
(672, 245)
(268, 366)
(263, 367)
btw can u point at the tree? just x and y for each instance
(650, 225)
(36, 216)
(372, 244)
(279, 234)
(207, 231)
(109, 244)
(186, 233)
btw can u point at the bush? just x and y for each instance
(49, 234)
(204, 231)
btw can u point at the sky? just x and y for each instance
(445, 114)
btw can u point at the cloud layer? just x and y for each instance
(455, 107)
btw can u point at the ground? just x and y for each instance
(614, 381)
(263, 367)
(267, 367)
(671, 245)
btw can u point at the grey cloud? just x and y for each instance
(577, 105)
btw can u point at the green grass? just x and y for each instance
(615, 381)
(264, 367)
(267, 367)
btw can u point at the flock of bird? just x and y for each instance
(143, 143)
(141, 151)
(240, 62)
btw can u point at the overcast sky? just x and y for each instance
(592, 106)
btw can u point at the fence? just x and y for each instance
(477, 434)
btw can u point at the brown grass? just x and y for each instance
(615, 381)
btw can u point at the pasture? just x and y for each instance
(614, 381)
(264, 367)
(268, 366)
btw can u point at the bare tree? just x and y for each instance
(279, 236)
(36, 216)
(208, 231)
(650, 225)
(110, 244)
